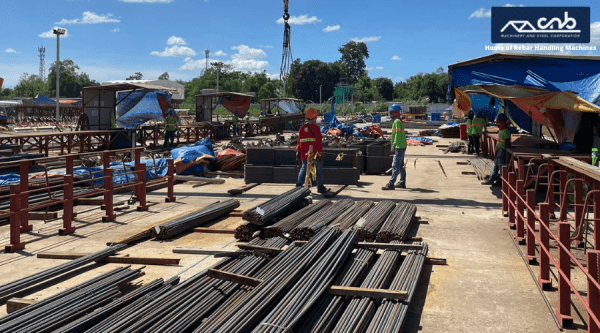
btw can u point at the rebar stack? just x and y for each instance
(325, 313)
(350, 217)
(245, 232)
(184, 223)
(391, 313)
(360, 310)
(483, 166)
(277, 207)
(396, 226)
(307, 229)
(369, 225)
(283, 273)
(289, 223)
(31, 280)
(59, 310)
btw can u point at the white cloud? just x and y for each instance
(369, 68)
(379, 67)
(191, 64)
(331, 28)
(249, 65)
(266, 46)
(91, 18)
(115, 30)
(366, 39)
(396, 58)
(175, 51)
(273, 76)
(246, 59)
(174, 40)
(220, 53)
(49, 34)
(483, 13)
(9, 50)
(300, 20)
(246, 52)
(148, 1)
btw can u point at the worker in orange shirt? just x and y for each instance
(310, 136)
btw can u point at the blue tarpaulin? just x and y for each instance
(191, 153)
(420, 138)
(140, 106)
(481, 105)
(122, 174)
(9, 179)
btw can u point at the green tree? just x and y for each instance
(313, 79)
(163, 76)
(30, 85)
(136, 76)
(353, 58)
(385, 87)
(71, 82)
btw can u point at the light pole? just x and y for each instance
(58, 32)
(320, 103)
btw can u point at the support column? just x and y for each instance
(170, 182)
(544, 273)
(24, 200)
(531, 228)
(593, 264)
(67, 228)
(563, 309)
(520, 207)
(15, 232)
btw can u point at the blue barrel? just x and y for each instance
(436, 116)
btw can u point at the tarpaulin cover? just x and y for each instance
(122, 173)
(229, 151)
(189, 154)
(518, 116)
(9, 179)
(236, 103)
(377, 118)
(41, 100)
(481, 106)
(463, 102)
(288, 106)
(334, 121)
(420, 138)
(139, 107)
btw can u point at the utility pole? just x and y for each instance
(42, 51)
(207, 53)
(58, 32)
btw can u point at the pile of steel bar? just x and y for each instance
(289, 223)
(325, 313)
(281, 205)
(309, 287)
(396, 226)
(391, 313)
(245, 232)
(31, 280)
(483, 166)
(350, 217)
(189, 221)
(307, 229)
(369, 225)
(61, 309)
(360, 310)
(289, 266)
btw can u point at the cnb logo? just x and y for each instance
(540, 24)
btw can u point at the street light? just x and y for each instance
(320, 103)
(58, 32)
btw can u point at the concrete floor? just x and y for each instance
(485, 287)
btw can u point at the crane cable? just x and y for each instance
(286, 55)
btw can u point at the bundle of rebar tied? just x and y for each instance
(390, 314)
(277, 207)
(483, 166)
(352, 215)
(307, 229)
(369, 225)
(192, 220)
(245, 232)
(397, 224)
(62, 308)
(31, 280)
(289, 223)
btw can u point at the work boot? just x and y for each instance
(323, 190)
(400, 185)
(388, 186)
(488, 181)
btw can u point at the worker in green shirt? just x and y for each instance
(503, 143)
(399, 147)
(170, 128)
(236, 124)
(248, 125)
(470, 117)
(477, 129)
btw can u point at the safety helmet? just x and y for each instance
(501, 117)
(311, 114)
(471, 114)
(171, 111)
(395, 107)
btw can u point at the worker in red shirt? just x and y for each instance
(310, 136)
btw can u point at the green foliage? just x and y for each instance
(385, 87)
(359, 108)
(30, 85)
(71, 82)
(353, 59)
(381, 106)
(6, 94)
(423, 88)
(136, 76)
(163, 76)
(313, 79)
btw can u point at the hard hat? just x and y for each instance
(171, 111)
(395, 107)
(311, 114)
(501, 117)
(471, 114)
(262, 113)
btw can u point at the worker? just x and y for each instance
(262, 115)
(477, 130)
(503, 143)
(170, 128)
(280, 124)
(236, 124)
(470, 117)
(310, 136)
(399, 148)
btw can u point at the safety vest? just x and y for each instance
(469, 126)
(478, 126)
(398, 134)
(171, 124)
(248, 119)
(503, 135)
(235, 120)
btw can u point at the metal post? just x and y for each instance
(563, 309)
(108, 196)
(504, 173)
(512, 196)
(24, 201)
(531, 227)
(579, 214)
(593, 260)
(170, 181)
(544, 274)
(141, 173)
(520, 206)
(58, 32)
(15, 233)
(67, 228)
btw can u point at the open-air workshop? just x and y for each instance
(234, 203)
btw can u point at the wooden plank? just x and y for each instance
(111, 259)
(387, 246)
(264, 249)
(368, 292)
(240, 190)
(214, 231)
(468, 173)
(15, 304)
(235, 278)
(462, 163)
(89, 201)
(435, 261)
(42, 215)
(199, 179)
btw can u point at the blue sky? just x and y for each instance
(112, 39)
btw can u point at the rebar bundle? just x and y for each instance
(350, 217)
(192, 220)
(390, 314)
(282, 273)
(483, 166)
(231, 162)
(369, 225)
(31, 280)
(245, 232)
(289, 223)
(60, 309)
(396, 226)
(360, 310)
(325, 313)
(277, 207)
(307, 229)
(456, 146)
